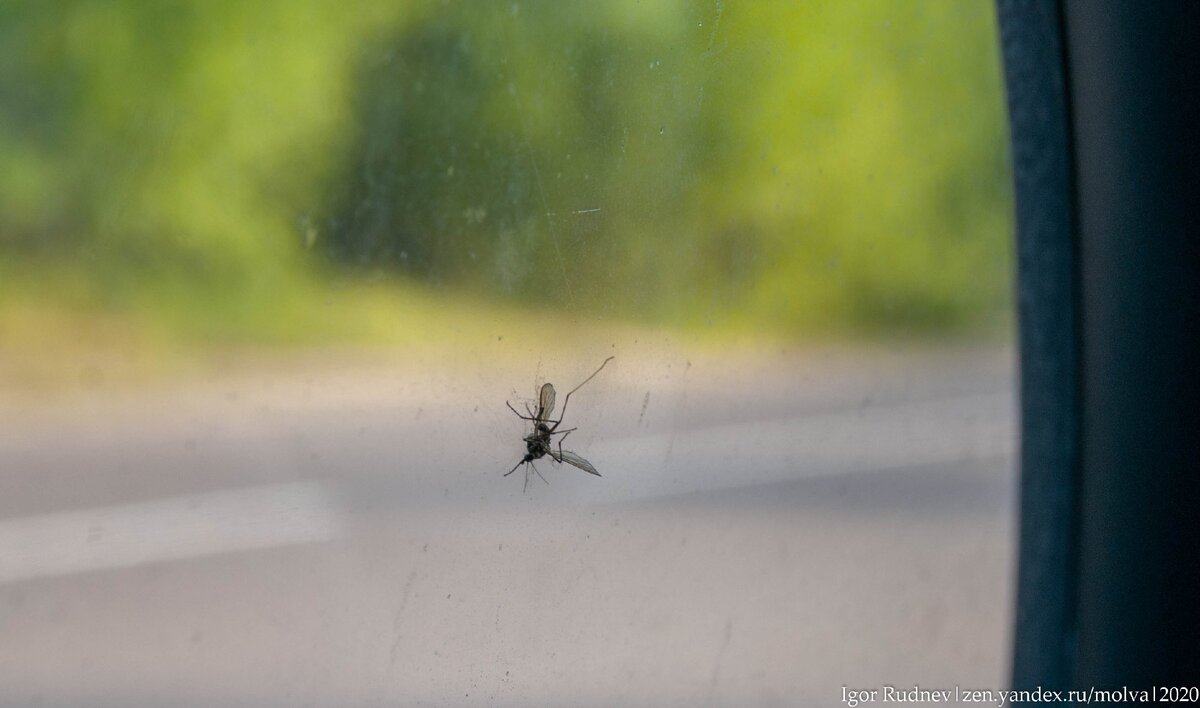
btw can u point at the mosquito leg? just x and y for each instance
(562, 413)
(562, 432)
(560, 442)
(522, 417)
(535, 469)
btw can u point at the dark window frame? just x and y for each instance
(1105, 120)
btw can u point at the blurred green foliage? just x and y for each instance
(217, 168)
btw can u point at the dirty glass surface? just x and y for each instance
(281, 284)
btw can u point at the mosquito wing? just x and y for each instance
(572, 459)
(545, 402)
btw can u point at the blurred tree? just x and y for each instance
(520, 147)
(796, 166)
(786, 167)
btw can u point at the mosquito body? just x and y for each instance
(541, 443)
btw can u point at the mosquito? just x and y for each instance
(540, 442)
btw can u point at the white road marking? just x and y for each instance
(174, 528)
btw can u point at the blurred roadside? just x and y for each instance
(771, 524)
(182, 181)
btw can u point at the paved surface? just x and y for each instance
(767, 530)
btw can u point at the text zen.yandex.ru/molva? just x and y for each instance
(854, 697)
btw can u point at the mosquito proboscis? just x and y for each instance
(540, 442)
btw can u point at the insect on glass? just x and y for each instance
(540, 442)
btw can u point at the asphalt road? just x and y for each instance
(768, 529)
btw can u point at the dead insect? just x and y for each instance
(540, 442)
